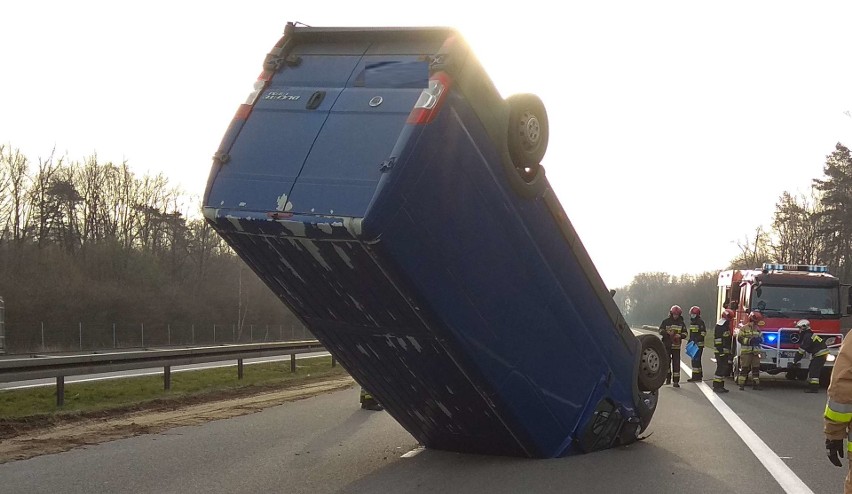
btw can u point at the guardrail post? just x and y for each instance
(60, 391)
(167, 377)
(292, 362)
(81, 336)
(193, 334)
(333, 362)
(251, 333)
(239, 368)
(143, 335)
(42, 337)
(214, 334)
(113, 336)
(169, 333)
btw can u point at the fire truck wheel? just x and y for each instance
(653, 363)
(791, 375)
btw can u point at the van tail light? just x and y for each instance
(431, 99)
(259, 85)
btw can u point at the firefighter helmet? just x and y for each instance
(755, 317)
(728, 314)
(694, 311)
(675, 310)
(803, 325)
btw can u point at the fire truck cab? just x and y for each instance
(784, 294)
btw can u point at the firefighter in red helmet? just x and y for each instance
(722, 348)
(673, 330)
(697, 333)
(749, 338)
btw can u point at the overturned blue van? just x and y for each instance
(379, 184)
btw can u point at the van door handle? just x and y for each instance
(315, 100)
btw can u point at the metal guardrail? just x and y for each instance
(40, 367)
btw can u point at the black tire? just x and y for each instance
(653, 362)
(528, 133)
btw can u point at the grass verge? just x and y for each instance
(39, 404)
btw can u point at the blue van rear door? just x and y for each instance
(343, 169)
(278, 136)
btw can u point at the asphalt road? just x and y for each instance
(327, 444)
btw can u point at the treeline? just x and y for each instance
(814, 228)
(96, 243)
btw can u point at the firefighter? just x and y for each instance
(815, 345)
(369, 402)
(838, 411)
(722, 348)
(749, 339)
(697, 333)
(673, 330)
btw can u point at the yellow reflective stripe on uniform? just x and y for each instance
(816, 338)
(718, 341)
(836, 415)
(821, 353)
(801, 351)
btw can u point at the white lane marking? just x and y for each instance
(785, 477)
(414, 452)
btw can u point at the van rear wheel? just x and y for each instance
(528, 133)
(653, 363)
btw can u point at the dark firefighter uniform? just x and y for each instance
(697, 333)
(815, 345)
(722, 348)
(838, 411)
(749, 339)
(673, 330)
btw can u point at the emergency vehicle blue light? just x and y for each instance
(770, 337)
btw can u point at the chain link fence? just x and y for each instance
(42, 337)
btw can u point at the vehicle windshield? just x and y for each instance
(796, 299)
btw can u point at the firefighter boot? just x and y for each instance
(812, 388)
(719, 386)
(756, 386)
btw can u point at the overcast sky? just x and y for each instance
(675, 126)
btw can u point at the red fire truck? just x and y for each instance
(786, 293)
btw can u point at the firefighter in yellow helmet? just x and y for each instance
(749, 338)
(838, 411)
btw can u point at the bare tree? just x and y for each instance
(754, 251)
(16, 212)
(796, 236)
